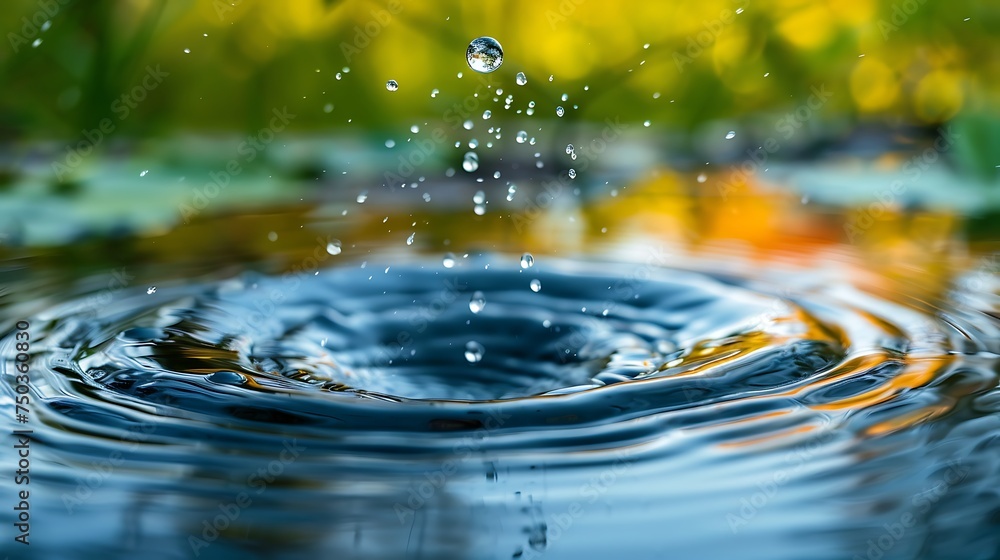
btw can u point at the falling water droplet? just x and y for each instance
(536, 285)
(572, 173)
(468, 124)
(478, 302)
(487, 114)
(560, 111)
(150, 290)
(484, 55)
(392, 85)
(730, 135)
(143, 173)
(702, 177)
(449, 260)
(569, 149)
(474, 351)
(362, 197)
(333, 247)
(521, 137)
(470, 162)
(409, 240)
(527, 261)
(390, 143)
(521, 79)
(511, 190)
(479, 197)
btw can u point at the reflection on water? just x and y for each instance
(658, 395)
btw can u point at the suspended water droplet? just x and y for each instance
(484, 55)
(496, 174)
(470, 162)
(333, 247)
(527, 261)
(536, 285)
(730, 135)
(478, 302)
(487, 114)
(479, 197)
(702, 177)
(569, 149)
(468, 124)
(415, 128)
(409, 240)
(521, 137)
(479, 209)
(150, 290)
(390, 143)
(143, 173)
(473, 144)
(560, 111)
(449, 260)
(474, 351)
(572, 173)
(521, 79)
(511, 190)
(392, 85)
(227, 378)
(338, 75)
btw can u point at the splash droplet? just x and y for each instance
(392, 85)
(484, 55)
(449, 260)
(560, 111)
(521, 79)
(409, 240)
(333, 247)
(478, 302)
(474, 351)
(527, 261)
(730, 135)
(572, 173)
(536, 285)
(470, 162)
(521, 137)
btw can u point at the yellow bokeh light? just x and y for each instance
(874, 86)
(938, 96)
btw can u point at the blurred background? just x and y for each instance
(861, 122)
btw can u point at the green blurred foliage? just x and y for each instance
(892, 61)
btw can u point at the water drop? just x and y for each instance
(150, 290)
(730, 135)
(409, 240)
(468, 124)
(449, 260)
(143, 173)
(521, 79)
(484, 55)
(521, 137)
(470, 162)
(511, 190)
(435, 92)
(333, 247)
(474, 351)
(536, 285)
(339, 76)
(473, 144)
(702, 177)
(479, 209)
(227, 378)
(560, 111)
(391, 85)
(415, 129)
(572, 173)
(569, 149)
(390, 143)
(487, 114)
(478, 302)
(527, 261)
(479, 197)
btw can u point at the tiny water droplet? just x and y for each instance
(150, 290)
(392, 85)
(468, 124)
(415, 128)
(187, 51)
(390, 143)
(521, 137)
(470, 162)
(487, 114)
(478, 302)
(409, 240)
(484, 55)
(527, 261)
(474, 351)
(536, 285)
(560, 111)
(572, 173)
(521, 79)
(479, 209)
(479, 197)
(143, 173)
(333, 247)
(449, 260)
(339, 76)
(702, 178)
(569, 149)
(730, 135)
